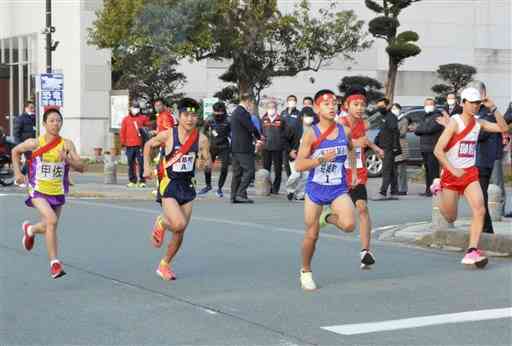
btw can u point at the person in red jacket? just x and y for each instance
(132, 139)
(164, 118)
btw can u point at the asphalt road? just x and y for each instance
(237, 281)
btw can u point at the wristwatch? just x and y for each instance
(322, 160)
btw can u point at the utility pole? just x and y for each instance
(49, 30)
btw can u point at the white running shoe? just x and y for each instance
(367, 259)
(306, 281)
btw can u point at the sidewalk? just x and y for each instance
(454, 239)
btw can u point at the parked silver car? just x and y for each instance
(412, 114)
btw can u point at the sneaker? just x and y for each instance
(475, 257)
(367, 259)
(219, 193)
(165, 272)
(306, 281)
(204, 190)
(290, 196)
(56, 270)
(142, 185)
(130, 184)
(435, 188)
(157, 236)
(323, 217)
(28, 241)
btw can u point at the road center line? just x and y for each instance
(415, 322)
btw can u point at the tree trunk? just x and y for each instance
(391, 80)
(243, 87)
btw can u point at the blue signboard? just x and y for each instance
(52, 90)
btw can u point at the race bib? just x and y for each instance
(359, 158)
(329, 173)
(184, 163)
(467, 149)
(50, 171)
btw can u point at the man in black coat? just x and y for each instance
(290, 115)
(452, 106)
(429, 131)
(25, 128)
(25, 124)
(218, 130)
(389, 140)
(243, 133)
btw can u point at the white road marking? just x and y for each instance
(415, 322)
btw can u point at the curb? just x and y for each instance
(458, 240)
(455, 240)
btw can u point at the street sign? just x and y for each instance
(51, 92)
(208, 106)
(119, 104)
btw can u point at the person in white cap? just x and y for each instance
(456, 151)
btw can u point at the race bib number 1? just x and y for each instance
(329, 173)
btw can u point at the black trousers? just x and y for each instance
(484, 179)
(134, 155)
(223, 155)
(286, 163)
(389, 174)
(431, 169)
(274, 158)
(243, 171)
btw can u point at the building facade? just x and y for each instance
(473, 32)
(87, 76)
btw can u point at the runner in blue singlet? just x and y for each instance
(323, 153)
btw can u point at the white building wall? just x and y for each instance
(473, 32)
(86, 69)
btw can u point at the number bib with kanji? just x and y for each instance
(330, 173)
(359, 158)
(467, 149)
(48, 174)
(184, 163)
(50, 171)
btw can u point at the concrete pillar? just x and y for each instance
(495, 202)
(438, 220)
(110, 169)
(262, 183)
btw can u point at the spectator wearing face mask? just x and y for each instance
(297, 180)
(274, 130)
(452, 107)
(401, 160)
(429, 131)
(25, 128)
(218, 131)
(307, 102)
(290, 115)
(389, 140)
(164, 118)
(25, 124)
(131, 136)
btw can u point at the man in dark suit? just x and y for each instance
(452, 106)
(389, 140)
(429, 131)
(243, 133)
